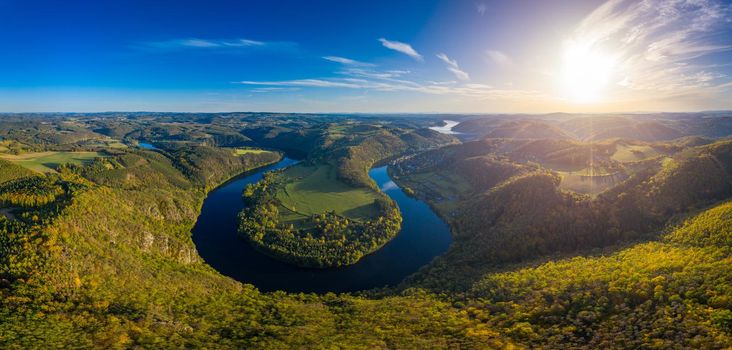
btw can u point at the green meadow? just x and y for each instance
(312, 190)
(632, 153)
(243, 151)
(589, 180)
(47, 162)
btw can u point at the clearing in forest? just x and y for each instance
(309, 190)
(632, 153)
(243, 151)
(47, 162)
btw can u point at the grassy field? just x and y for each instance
(109, 143)
(243, 151)
(590, 181)
(314, 189)
(568, 168)
(46, 162)
(633, 153)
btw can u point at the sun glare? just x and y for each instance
(586, 72)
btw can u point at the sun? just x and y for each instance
(586, 72)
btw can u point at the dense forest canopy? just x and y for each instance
(566, 234)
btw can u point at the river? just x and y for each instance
(447, 128)
(423, 236)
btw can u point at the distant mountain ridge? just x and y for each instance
(644, 127)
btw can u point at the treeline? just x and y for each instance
(44, 133)
(10, 171)
(196, 166)
(354, 161)
(323, 240)
(29, 204)
(209, 166)
(298, 140)
(28, 192)
(133, 169)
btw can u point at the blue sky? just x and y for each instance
(365, 56)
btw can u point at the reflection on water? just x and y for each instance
(447, 128)
(388, 186)
(146, 145)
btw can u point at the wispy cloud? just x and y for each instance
(274, 89)
(498, 57)
(656, 44)
(373, 74)
(347, 61)
(401, 47)
(189, 43)
(305, 83)
(453, 67)
(473, 91)
(212, 44)
(481, 8)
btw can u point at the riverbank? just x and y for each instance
(423, 236)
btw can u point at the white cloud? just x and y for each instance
(364, 73)
(197, 43)
(203, 43)
(212, 44)
(498, 57)
(401, 47)
(453, 67)
(478, 86)
(243, 42)
(304, 83)
(347, 61)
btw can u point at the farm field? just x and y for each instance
(315, 189)
(109, 143)
(632, 153)
(589, 181)
(46, 162)
(564, 168)
(243, 151)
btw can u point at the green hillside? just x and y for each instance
(100, 255)
(47, 162)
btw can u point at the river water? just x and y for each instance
(447, 128)
(423, 236)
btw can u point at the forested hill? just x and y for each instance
(509, 210)
(598, 127)
(327, 212)
(96, 249)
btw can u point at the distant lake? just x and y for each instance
(423, 236)
(146, 145)
(447, 128)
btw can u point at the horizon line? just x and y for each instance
(374, 113)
